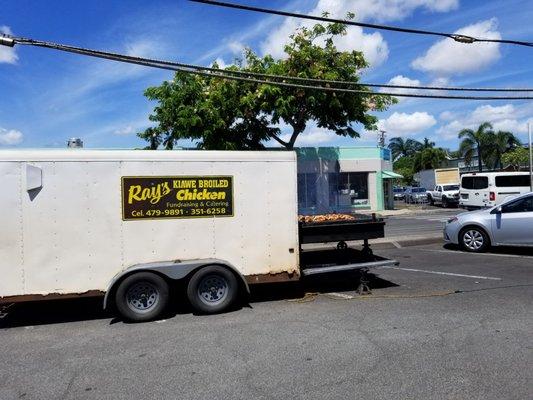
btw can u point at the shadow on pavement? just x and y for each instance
(86, 309)
(54, 312)
(332, 282)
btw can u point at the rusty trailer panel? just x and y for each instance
(50, 296)
(272, 278)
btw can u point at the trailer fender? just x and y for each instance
(173, 270)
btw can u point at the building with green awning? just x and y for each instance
(344, 179)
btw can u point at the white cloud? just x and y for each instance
(383, 10)
(400, 124)
(235, 47)
(446, 116)
(313, 137)
(7, 54)
(401, 81)
(372, 45)
(507, 117)
(221, 63)
(10, 137)
(447, 57)
(127, 130)
(94, 75)
(495, 113)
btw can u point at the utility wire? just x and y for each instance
(223, 74)
(457, 37)
(296, 78)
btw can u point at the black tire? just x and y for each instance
(474, 239)
(142, 296)
(445, 203)
(212, 289)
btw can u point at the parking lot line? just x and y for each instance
(446, 273)
(478, 254)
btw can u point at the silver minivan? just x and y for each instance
(508, 224)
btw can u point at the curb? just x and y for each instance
(406, 242)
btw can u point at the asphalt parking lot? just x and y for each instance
(422, 222)
(442, 325)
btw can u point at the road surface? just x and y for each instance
(446, 325)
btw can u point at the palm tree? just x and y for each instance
(500, 143)
(430, 158)
(427, 144)
(475, 142)
(400, 147)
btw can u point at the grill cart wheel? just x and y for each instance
(342, 245)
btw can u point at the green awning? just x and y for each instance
(390, 175)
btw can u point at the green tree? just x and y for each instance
(429, 158)
(516, 158)
(404, 167)
(475, 143)
(218, 113)
(401, 147)
(500, 143)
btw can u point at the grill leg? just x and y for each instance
(364, 283)
(367, 251)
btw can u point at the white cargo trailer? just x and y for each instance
(129, 223)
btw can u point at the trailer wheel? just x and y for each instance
(212, 289)
(142, 297)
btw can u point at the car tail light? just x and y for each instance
(492, 196)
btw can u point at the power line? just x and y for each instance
(454, 36)
(223, 74)
(296, 78)
(10, 41)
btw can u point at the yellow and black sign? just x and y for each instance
(150, 197)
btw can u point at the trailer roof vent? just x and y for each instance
(75, 143)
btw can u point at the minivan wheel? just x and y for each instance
(212, 289)
(474, 240)
(142, 296)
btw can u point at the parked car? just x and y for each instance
(399, 193)
(446, 195)
(416, 195)
(508, 224)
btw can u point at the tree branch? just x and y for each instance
(277, 139)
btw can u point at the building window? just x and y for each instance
(347, 189)
(307, 190)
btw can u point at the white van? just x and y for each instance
(487, 189)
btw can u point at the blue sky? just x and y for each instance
(48, 96)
